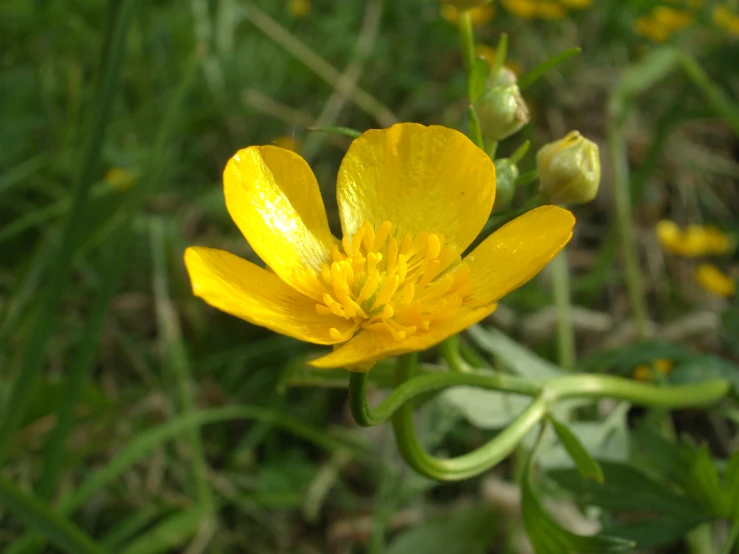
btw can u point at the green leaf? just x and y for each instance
(464, 531)
(585, 463)
(478, 78)
(352, 133)
(543, 68)
(732, 484)
(652, 532)
(485, 409)
(704, 484)
(547, 537)
(518, 358)
(35, 514)
(627, 489)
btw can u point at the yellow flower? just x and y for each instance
(662, 22)
(642, 373)
(298, 8)
(714, 280)
(645, 372)
(525, 9)
(726, 19)
(120, 179)
(695, 241)
(548, 9)
(411, 199)
(479, 15)
(577, 4)
(288, 143)
(663, 366)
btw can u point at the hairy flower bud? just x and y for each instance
(506, 173)
(501, 111)
(569, 170)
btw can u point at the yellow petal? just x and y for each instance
(247, 291)
(516, 252)
(421, 179)
(368, 347)
(273, 197)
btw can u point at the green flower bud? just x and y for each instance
(465, 4)
(569, 170)
(505, 77)
(506, 173)
(501, 111)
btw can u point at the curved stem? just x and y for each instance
(467, 40)
(467, 465)
(408, 389)
(643, 394)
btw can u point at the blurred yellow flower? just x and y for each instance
(411, 199)
(714, 280)
(479, 15)
(549, 9)
(299, 8)
(642, 372)
(645, 372)
(696, 240)
(287, 142)
(577, 4)
(662, 22)
(487, 53)
(544, 9)
(525, 9)
(120, 178)
(726, 19)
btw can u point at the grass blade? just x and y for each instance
(34, 513)
(33, 355)
(543, 68)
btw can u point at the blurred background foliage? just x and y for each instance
(281, 467)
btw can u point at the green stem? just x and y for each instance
(565, 331)
(46, 314)
(468, 465)
(625, 224)
(449, 350)
(366, 416)
(643, 394)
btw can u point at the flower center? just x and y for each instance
(389, 285)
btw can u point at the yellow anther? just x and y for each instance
(335, 334)
(373, 258)
(402, 267)
(369, 287)
(382, 234)
(391, 256)
(387, 311)
(434, 247)
(409, 291)
(368, 237)
(387, 291)
(431, 271)
(357, 242)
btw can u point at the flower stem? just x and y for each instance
(408, 389)
(468, 465)
(399, 406)
(625, 224)
(565, 331)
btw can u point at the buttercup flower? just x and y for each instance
(411, 200)
(479, 15)
(694, 241)
(714, 280)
